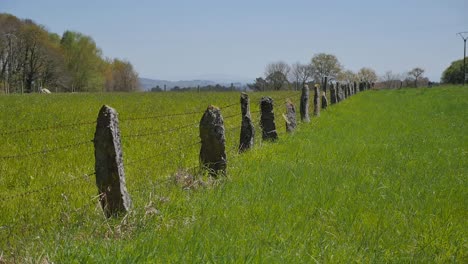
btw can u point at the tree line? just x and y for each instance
(282, 76)
(32, 58)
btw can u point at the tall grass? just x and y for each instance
(380, 177)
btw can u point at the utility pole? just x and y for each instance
(464, 36)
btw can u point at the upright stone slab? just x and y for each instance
(304, 106)
(342, 92)
(109, 168)
(267, 119)
(247, 128)
(338, 92)
(325, 82)
(316, 100)
(324, 100)
(290, 117)
(333, 98)
(213, 142)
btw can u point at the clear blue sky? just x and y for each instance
(205, 38)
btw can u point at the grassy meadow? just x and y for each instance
(380, 177)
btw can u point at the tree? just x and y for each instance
(347, 76)
(122, 77)
(259, 85)
(301, 73)
(84, 62)
(325, 65)
(416, 73)
(277, 81)
(454, 73)
(279, 66)
(276, 74)
(31, 57)
(390, 80)
(367, 75)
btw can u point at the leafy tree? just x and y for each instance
(347, 76)
(31, 57)
(277, 81)
(325, 65)
(122, 77)
(416, 73)
(259, 85)
(454, 73)
(276, 75)
(367, 75)
(84, 62)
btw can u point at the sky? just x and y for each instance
(217, 39)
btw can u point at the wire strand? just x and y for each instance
(45, 151)
(46, 128)
(46, 188)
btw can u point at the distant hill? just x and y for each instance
(146, 83)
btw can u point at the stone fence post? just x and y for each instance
(290, 117)
(109, 168)
(247, 133)
(304, 105)
(267, 119)
(333, 91)
(213, 142)
(316, 100)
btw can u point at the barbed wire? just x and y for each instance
(30, 130)
(162, 153)
(172, 115)
(61, 126)
(46, 188)
(12, 226)
(45, 151)
(231, 116)
(158, 132)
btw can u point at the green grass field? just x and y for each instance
(380, 177)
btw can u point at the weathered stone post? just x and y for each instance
(213, 142)
(324, 94)
(316, 100)
(324, 100)
(290, 117)
(325, 81)
(247, 128)
(345, 91)
(342, 92)
(267, 119)
(333, 98)
(109, 168)
(304, 106)
(338, 92)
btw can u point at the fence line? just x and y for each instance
(46, 188)
(230, 152)
(158, 132)
(162, 153)
(45, 151)
(79, 124)
(11, 226)
(47, 128)
(171, 115)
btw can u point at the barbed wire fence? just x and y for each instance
(8, 229)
